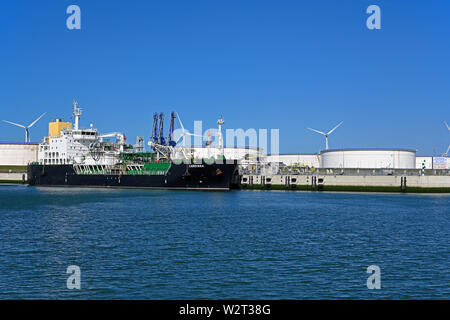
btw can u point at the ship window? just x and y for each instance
(294, 180)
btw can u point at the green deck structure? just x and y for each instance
(151, 166)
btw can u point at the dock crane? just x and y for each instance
(158, 142)
(171, 142)
(155, 125)
(161, 139)
(166, 148)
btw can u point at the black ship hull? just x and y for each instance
(180, 176)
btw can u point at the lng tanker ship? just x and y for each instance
(81, 157)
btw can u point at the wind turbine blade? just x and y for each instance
(15, 124)
(192, 134)
(181, 123)
(447, 125)
(335, 127)
(317, 131)
(34, 122)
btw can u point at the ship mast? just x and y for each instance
(76, 114)
(220, 122)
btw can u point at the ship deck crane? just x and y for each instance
(119, 136)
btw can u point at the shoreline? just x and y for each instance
(349, 188)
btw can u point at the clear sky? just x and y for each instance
(262, 64)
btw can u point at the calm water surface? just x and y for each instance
(140, 244)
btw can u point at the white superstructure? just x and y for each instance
(65, 145)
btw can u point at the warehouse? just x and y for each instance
(425, 162)
(369, 158)
(311, 160)
(18, 154)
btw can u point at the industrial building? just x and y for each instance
(18, 154)
(429, 162)
(369, 158)
(311, 160)
(425, 162)
(362, 158)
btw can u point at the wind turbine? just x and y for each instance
(27, 132)
(183, 134)
(326, 134)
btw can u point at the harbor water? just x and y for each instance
(156, 244)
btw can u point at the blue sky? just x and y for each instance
(262, 64)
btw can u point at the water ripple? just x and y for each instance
(141, 244)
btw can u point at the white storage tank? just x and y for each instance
(369, 158)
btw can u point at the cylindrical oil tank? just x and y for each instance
(369, 158)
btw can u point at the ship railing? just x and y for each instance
(92, 169)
